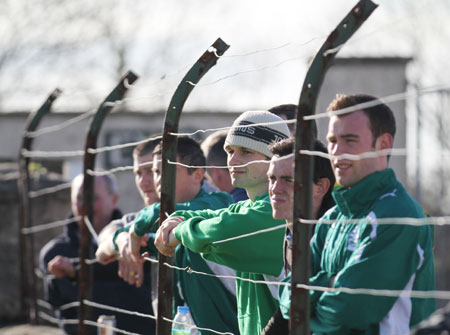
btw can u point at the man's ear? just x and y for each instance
(115, 199)
(323, 185)
(384, 141)
(198, 174)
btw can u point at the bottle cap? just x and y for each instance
(183, 309)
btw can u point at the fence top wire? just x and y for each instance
(387, 99)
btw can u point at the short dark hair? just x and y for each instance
(146, 147)
(188, 152)
(381, 117)
(212, 147)
(322, 167)
(289, 110)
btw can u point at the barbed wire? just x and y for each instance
(48, 190)
(247, 71)
(121, 146)
(438, 294)
(56, 321)
(91, 229)
(116, 309)
(51, 154)
(51, 225)
(387, 99)
(378, 101)
(58, 127)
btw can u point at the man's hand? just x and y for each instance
(134, 246)
(165, 240)
(105, 253)
(61, 267)
(130, 271)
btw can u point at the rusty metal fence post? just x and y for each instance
(85, 274)
(26, 242)
(301, 259)
(169, 150)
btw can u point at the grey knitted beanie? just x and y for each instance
(259, 137)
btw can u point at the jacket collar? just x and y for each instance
(263, 196)
(351, 200)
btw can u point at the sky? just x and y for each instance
(73, 46)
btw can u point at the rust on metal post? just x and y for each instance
(169, 150)
(86, 252)
(304, 135)
(28, 279)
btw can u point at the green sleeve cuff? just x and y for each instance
(116, 233)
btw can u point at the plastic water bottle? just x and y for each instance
(183, 323)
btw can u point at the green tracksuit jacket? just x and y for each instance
(254, 258)
(371, 254)
(211, 304)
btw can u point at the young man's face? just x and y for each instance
(143, 176)
(246, 176)
(184, 183)
(281, 187)
(351, 134)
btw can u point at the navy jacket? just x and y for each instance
(108, 287)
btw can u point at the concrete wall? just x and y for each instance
(45, 209)
(117, 129)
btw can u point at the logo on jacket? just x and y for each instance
(352, 240)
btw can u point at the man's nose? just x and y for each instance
(233, 159)
(147, 179)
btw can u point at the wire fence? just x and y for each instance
(33, 154)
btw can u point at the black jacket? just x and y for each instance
(108, 288)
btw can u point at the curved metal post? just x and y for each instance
(26, 242)
(85, 274)
(169, 150)
(304, 135)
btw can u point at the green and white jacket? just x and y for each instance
(371, 254)
(212, 303)
(259, 257)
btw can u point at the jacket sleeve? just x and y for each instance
(261, 253)
(147, 218)
(385, 257)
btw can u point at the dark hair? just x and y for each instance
(289, 110)
(212, 147)
(322, 168)
(380, 116)
(147, 147)
(188, 152)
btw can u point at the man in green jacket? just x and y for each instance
(281, 191)
(257, 258)
(211, 300)
(368, 252)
